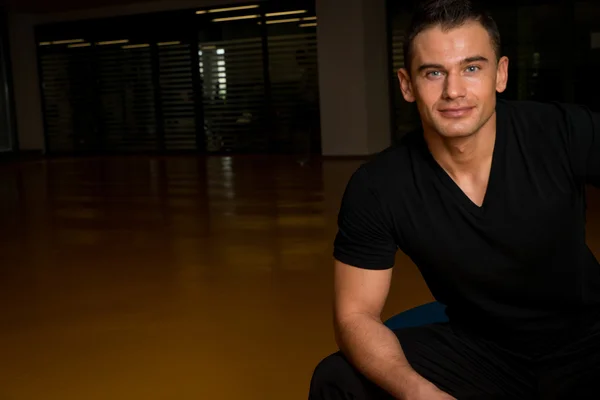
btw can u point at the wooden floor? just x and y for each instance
(172, 278)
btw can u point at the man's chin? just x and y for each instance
(456, 133)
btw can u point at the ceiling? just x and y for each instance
(50, 6)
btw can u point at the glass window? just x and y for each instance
(293, 67)
(226, 79)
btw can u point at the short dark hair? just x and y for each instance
(449, 14)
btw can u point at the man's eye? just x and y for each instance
(434, 74)
(473, 68)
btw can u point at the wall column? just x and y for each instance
(353, 77)
(26, 84)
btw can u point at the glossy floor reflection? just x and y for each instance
(171, 278)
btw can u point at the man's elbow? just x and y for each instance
(348, 325)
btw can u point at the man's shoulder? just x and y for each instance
(389, 172)
(527, 109)
(396, 160)
(544, 125)
(537, 112)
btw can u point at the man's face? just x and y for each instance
(454, 78)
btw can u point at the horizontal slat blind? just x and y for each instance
(399, 111)
(233, 95)
(127, 98)
(188, 80)
(405, 114)
(294, 88)
(397, 49)
(68, 91)
(177, 96)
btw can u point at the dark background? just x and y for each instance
(549, 43)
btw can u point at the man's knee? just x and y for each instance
(335, 378)
(326, 377)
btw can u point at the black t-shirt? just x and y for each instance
(519, 264)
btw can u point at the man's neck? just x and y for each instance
(466, 156)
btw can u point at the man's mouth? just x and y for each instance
(455, 112)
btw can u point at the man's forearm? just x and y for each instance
(376, 352)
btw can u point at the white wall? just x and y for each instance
(28, 106)
(353, 76)
(377, 75)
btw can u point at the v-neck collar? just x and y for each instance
(495, 171)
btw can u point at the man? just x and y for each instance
(488, 200)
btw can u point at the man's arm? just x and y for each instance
(364, 249)
(371, 347)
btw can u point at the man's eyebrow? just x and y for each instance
(474, 59)
(430, 66)
(465, 61)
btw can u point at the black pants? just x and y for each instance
(470, 368)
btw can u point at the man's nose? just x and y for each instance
(454, 86)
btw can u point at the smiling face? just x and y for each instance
(454, 79)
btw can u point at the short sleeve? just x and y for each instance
(583, 141)
(365, 238)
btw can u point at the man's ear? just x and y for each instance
(502, 75)
(406, 85)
